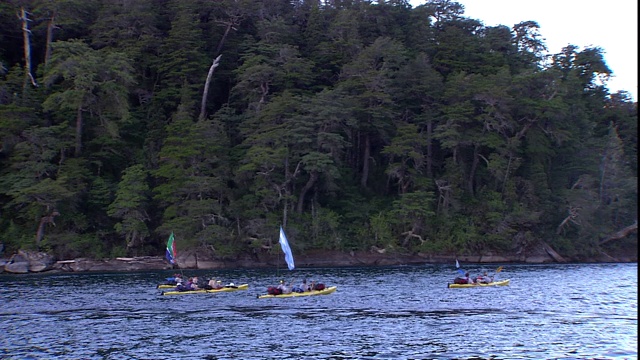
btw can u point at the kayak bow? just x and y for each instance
(324, 291)
(204, 291)
(495, 283)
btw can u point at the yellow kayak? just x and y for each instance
(495, 283)
(203, 291)
(324, 291)
(166, 286)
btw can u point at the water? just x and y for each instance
(547, 312)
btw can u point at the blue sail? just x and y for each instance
(284, 244)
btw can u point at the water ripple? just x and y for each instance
(373, 315)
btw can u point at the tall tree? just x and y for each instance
(88, 82)
(129, 207)
(367, 82)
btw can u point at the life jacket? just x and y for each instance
(318, 287)
(272, 290)
(460, 280)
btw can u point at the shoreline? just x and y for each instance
(24, 262)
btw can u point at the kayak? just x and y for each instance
(166, 286)
(203, 291)
(324, 291)
(495, 283)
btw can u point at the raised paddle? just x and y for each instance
(497, 271)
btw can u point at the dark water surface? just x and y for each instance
(547, 312)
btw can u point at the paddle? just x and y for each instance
(497, 271)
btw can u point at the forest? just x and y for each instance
(353, 124)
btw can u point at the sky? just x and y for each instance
(610, 25)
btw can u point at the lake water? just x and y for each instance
(547, 312)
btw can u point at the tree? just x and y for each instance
(367, 83)
(129, 206)
(34, 188)
(88, 82)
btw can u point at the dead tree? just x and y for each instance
(230, 24)
(444, 192)
(203, 105)
(621, 234)
(49, 219)
(50, 27)
(26, 36)
(572, 217)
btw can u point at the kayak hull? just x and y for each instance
(166, 286)
(203, 291)
(325, 291)
(495, 283)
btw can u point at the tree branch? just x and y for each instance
(621, 234)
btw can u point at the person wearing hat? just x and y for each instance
(469, 278)
(484, 279)
(285, 288)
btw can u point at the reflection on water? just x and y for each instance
(376, 313)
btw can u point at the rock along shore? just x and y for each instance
(36, 262)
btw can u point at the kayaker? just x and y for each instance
(192, 284)
(469, 279)
(305, 286)
(285, 288)
(213, 284)
(484, 278)
(302, 288)
(174, 280)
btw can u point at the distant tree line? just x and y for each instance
(353, 124)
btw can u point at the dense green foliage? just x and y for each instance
(355, 124)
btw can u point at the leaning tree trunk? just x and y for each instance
(49, 219)
(621, 234)
(50, 27)
(79, 131)
(430, 150)
(312, 179)
(26, 34)
(203, 105)
(231, 24)
(366, 154)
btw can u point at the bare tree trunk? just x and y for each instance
(50, 27)
(573, 215)
(365, 161)
(203, 105)
(430, 150)
(312, 179)
(557, 257)
(284, 214)
(621, 234)
(472, 172)
(79, 131)
(26, 33)
(506, 174)
(49, 219)
(235, 20)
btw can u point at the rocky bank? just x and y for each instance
(36, 262)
